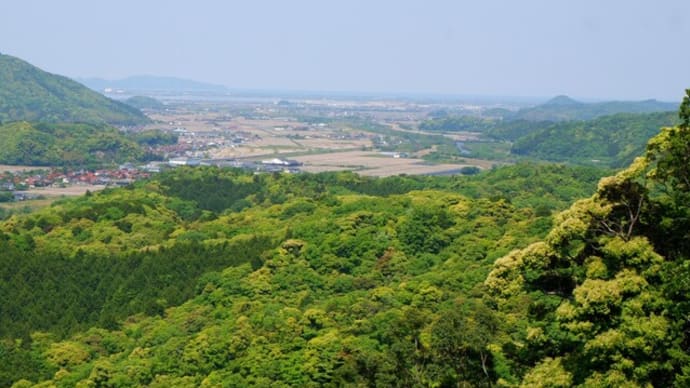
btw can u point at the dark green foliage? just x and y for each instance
(470, 170)
(209, 189)
(612, 140)
(423, 231)
(154, 137)
(6, 196)
(44, 144)
(513, 130)
(30, 94)
(684, 111)
(22, 361)
(64, 294)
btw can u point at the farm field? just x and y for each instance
(69, 191)
(373, 164)
(315, 138)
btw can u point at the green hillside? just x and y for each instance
(48, 144)
(612, 140)
(144, 102)
(28, 93)
(564, 108)
(300, 279)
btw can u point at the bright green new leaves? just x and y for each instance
(289, 280)
(599, 302)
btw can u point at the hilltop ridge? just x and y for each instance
(28, 93)
(565, 108)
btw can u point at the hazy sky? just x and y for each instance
(625, 49)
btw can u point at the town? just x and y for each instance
(376, 137)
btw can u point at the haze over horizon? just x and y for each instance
(600, 50)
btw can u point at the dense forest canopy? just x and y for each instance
(613, 140)
(300, 261)
(48, 144)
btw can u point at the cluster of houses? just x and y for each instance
(19, 181)
(25, 180)
(195, 143)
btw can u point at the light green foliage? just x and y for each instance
(548, 374)
(315, 280)
(67, 354)
(601, 296)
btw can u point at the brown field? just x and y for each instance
(10, 168)
(32, 204)
(373, 163)
(65, 191)
(329, 147)
(324, 143)
(50, 195)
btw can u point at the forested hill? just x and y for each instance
(284, 280)
(75, 144)
(563, 108)
(610, 140)
(28, 93)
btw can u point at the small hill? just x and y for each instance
(28, 93)
(613, 140)
(143, 102)
(562, 101)
(76, 144)
(564, 108)
(153, 83)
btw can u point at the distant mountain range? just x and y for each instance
(28, 93)
(564, 108)
(152, 83)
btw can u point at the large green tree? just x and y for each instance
(603, 300)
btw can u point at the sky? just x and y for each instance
(596, 49)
